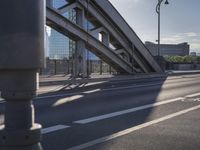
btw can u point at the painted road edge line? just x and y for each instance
(193, 95)
(129, 130)
(118, 113)
(54, 128)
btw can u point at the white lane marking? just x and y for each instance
(54, 128)
(193, 95)
(67, 99)
(132, 129)
(132, 86)
(110, 89)
(92, 91)
(58, 95)
(118, 113)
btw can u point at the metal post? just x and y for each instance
(158, 12)
(55, 66)
(158, 30)
(21, 52)
(101, 67)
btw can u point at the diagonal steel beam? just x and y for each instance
(108, 9)
(63, 25)
(94, 11)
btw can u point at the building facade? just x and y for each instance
(194, 54)
(181, 49)
(59, 46)
(58, 43)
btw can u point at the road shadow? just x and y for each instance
(95, 100)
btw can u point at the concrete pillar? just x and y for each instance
(21, 55)
(80, 64)
(105, 41)
(110, 69)
(105, 38)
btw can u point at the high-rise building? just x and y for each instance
(194, 54)
(58, 43)
(60, 46)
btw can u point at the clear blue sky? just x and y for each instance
(180, 20)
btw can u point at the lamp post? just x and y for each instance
(158, 12)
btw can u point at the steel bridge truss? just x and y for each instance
(117, 45)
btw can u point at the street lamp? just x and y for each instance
(158, 12)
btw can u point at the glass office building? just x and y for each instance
(58, 43)
(59, 46)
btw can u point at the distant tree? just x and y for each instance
(187, 59)
(179, 59)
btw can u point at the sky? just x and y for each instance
(180, 20)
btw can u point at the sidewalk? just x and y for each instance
(65, 79)
(182, 72)
(62, 80)
(57, 82)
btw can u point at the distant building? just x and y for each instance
(58, 43)
(181, 49)
(198, 54)
(193, 54)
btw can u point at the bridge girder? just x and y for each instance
(132, 49)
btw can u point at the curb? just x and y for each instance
(111, 79)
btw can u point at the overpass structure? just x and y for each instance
(21, 53)
(118, 45)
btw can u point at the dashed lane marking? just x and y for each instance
(54, 128)
(193, 95)
(135, 128)
(118, 113)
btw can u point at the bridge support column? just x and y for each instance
(105, 38)
(80, 64)
(21, 55)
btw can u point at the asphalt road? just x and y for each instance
(153, 114)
